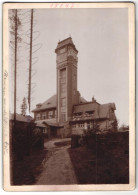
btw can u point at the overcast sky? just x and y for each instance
(100, 36)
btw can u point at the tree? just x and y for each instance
(115, 125)
(15, 25)
(24, 107)
(94, 130)
(124, 127)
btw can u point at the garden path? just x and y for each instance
(57, 166)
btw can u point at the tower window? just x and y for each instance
(63, 87)
(63, 73)
(63, 76)
(63, 117)
(63, 102)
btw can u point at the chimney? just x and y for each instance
(93, 100)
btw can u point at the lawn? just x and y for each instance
(26, 171)
(110, 167)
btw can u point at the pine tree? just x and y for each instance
(24, 107)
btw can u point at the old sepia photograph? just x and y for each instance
(69, 96)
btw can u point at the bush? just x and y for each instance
(75, 141)
(92, 131)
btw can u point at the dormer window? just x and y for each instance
(38, 105)
(77, 115)
(89, 113)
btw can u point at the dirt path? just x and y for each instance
(57, 165)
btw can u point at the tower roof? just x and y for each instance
(64, 42)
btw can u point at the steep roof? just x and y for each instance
(100, 110)
(51, 103)
(21, 118)
(104, 110)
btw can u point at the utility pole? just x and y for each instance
(30, 62)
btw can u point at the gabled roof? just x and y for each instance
(104, 110)
(51, 103)
(21, 118)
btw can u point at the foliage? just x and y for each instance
(15, 22)
(24, 107)
(124, 127)
(91, 131)
(114, 125)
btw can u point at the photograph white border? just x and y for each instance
(131, 18)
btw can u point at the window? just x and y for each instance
(74, 126)
(63, 117)
(77, 115)
(43, 115)
(89, 113)
(63, 102)
(88, 125)
(63, 73)
(38, 116)
(63, 87)
(62, 50)
(82, 125)
(63, 76)
(55, 113)
(50, 114)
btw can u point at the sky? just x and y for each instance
(101, 37)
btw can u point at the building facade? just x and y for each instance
(92, 114)
(67, 112)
